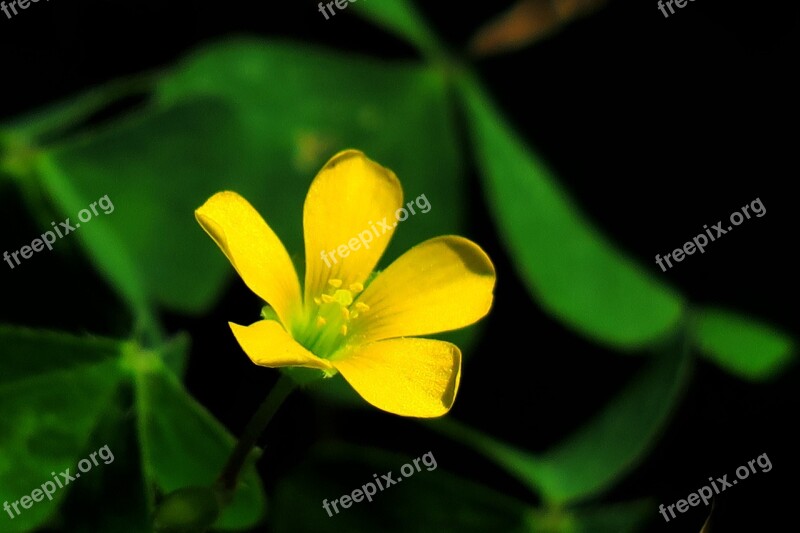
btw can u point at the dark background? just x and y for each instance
(655, 126)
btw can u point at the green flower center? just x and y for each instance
(328, 322)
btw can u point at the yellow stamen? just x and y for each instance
(361, 306)
(321, 321)
(336, 283)
(344, 330)
(356, 287)
(327, 298)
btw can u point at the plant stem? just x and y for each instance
(230, 473)
(70, 112)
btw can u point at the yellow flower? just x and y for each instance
(346, 321)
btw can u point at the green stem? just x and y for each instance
(230, 473)
(64, 115)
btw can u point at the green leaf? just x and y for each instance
(569, 267)
(183, 445)
(53, 390)
(175, 354)
(300, 105)
(402, 18)
(223, 123)
(62, 397)
(30, 353)
(426, 501)
(598, 454)
(118, 489)
(740, 345)
(156, 169)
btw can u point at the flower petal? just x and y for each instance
(253, 249)
(441, 284)
(348, 220)
(407, 377)
(266, 343)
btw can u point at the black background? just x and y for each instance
(655, 126)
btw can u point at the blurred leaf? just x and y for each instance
(403, 19)
(300, 105)
(742, 346)
(526, 22)
(30, 353)
(175, 354)
(427, 501)
(569, 267)
(53, 390)
(117, 488)
(606, 448)
(150, 246)
(59, 394)
(265, 140)
(619, 437)
(628, 517)
(184, 445)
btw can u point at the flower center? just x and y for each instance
(329, 320)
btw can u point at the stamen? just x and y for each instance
(356, 287)
(329, 323)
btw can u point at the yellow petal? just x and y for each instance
(253, 249)
(266, 343)
(441, 284)
(348, 220)
(407, 377)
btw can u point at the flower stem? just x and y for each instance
(230, 473)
